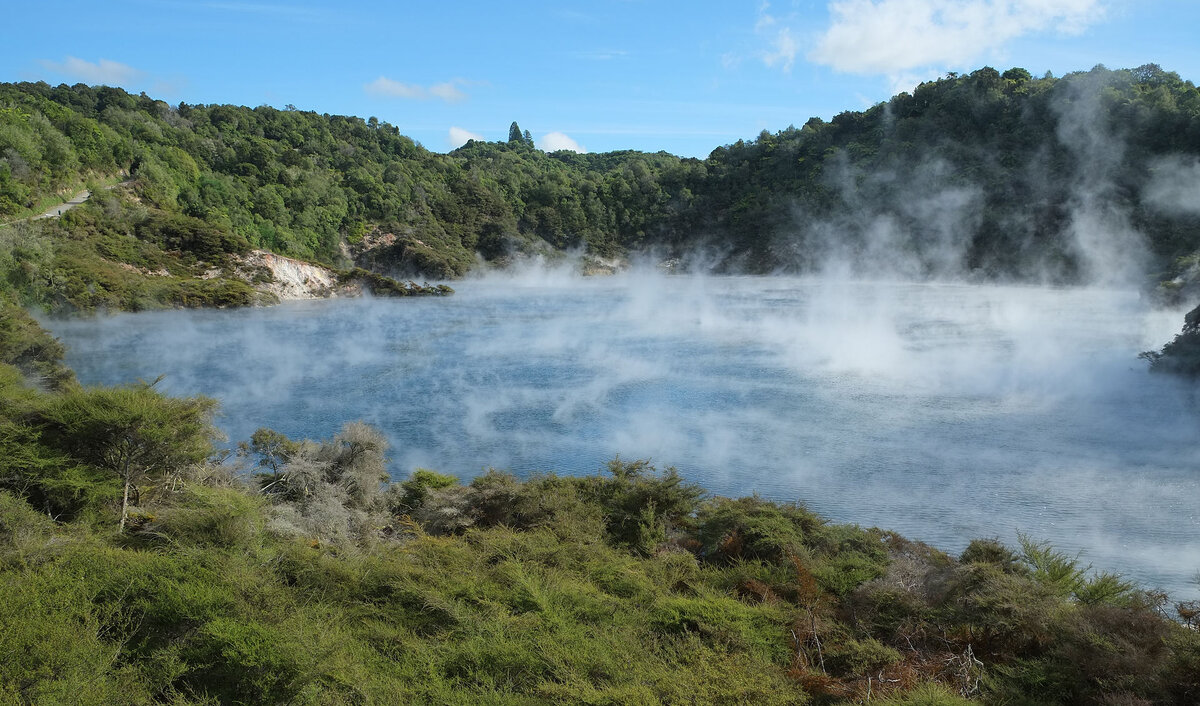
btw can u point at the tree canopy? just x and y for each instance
(995, 173)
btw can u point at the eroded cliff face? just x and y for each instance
(292, 279)
(280, 278)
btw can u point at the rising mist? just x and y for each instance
(944, 411)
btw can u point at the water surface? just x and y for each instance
(945, 412)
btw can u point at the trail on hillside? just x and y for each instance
(64, 207)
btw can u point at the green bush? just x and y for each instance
(217, 517)
(412, 493)
(752, 528)
(639, 503)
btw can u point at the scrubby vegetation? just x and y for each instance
(1180, 356)
(115, 254)
(139, 565)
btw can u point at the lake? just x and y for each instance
(943, 411)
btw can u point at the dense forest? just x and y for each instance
(1082, 178)
(140, 566)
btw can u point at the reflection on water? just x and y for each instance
(945, 412)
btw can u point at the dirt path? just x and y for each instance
(64, 207)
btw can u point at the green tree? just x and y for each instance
(514, 133)
(274, 451)
(133, 432)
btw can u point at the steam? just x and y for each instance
(917, 218)
(1174, 187)
(1110, 250)
(945, 411)
(902, 223)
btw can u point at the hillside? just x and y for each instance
(1000, 175)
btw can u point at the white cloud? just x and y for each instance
(104, 71)
(784, 52)
(458, 137)
(383, 86)
(447, 92)
(555, 141)
(783, 46)
(897, 36)
(389, 88)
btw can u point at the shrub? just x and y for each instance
(639, 503)
(927, 694)
(991, 551)
(751, 528)
(31, 349)
(413, 492)
(219, 517)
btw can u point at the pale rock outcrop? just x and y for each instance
(295, 279)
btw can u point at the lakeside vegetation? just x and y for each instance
(1181, 355)
(141, 565)
(114, 253)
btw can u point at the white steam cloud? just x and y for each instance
(909, 224)
(1174, 187)
(1110, 250)
(916, 218)
(893, 37)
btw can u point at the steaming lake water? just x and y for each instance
(945, 412)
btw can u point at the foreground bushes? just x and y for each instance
(213, 598)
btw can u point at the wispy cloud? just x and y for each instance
(264, 9)
(555, 141)
(781, 45)
(169, 87)
(447, 92)
(384, 86)
(103, 71)
(892, 37)
(601, 54)
(388, 88)
(459, 137)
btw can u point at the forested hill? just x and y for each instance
(1084, 177)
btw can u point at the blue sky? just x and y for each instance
(652, 75)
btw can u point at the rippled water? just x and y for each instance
(945, 412)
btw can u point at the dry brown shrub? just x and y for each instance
(755, 590)
(818, 683)
(731, 545)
